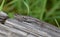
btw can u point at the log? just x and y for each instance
(26, 26)
(3, 16)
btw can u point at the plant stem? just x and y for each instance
(28, 9)
(53, 9)
(57, 23)
(11, 2)
(43, 8)
(1, 7)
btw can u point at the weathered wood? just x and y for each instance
(3, 16)
(25, 26)
(50, 29)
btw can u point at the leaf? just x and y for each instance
(28, 9)
(11, 15)
(2, 4)
(43, 6)
(53, 9)
(57, 23)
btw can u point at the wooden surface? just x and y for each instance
(25, 26)
(50, 29)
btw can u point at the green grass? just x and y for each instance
(1, 6)
(45, 10)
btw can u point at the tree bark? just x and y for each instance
(25, 26)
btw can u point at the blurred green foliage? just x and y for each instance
(45, 10)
